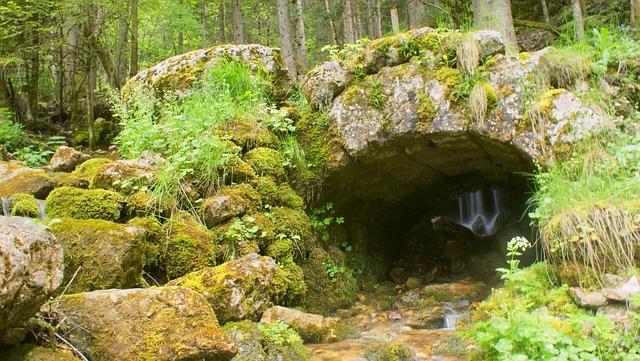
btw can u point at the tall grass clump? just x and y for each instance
(184, 131)
(588, 206)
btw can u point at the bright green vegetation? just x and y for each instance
(12, 134)
(24, 205)
(389, 352)
(84, 204)
(532, 317)
(186, 132)
(273, 341)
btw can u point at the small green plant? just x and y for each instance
(409, 48)
(241, 229)
(295, 242)
(377, 97)
(34, 155)
(279, 333)
(293, 153)
(333, 270)
(515, 248)
(12, 135)
(322, 218)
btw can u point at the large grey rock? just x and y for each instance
(490, 43)
(623, 292)
(324, 83)
(240, 289)
(311, 327)
(31, 269)
(65, 159)
(178, 74)
(162, 324)
(587, 299)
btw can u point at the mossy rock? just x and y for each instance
(247, 133)
(389, 352)
(154, 242)
(291, 277)
(189, 246)
(83, 175)
(265, 342)
(104, 254)
(229, 202)
(239, 171)
(292, 222)
(30, 352)
(16, 178)
(266, 161)
(325, 295)
(267, 187)
(239, 289)
(311, 327)
(69, 202)
(150, 324)
(24, 205)
(128, 176)
(287, 197)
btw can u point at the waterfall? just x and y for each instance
(6, 206)
(479, 211)
(451, 316)
(42, 214)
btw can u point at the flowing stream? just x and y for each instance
(479, 211)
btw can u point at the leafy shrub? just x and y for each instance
(184, 131)
(12, 134)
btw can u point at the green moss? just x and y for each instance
(257, 341)
(154, 236)
(290, 277)
(189, 246)
(492, 95)
(241, 171)
(16, 178)
(140, 204)
(448, 76)
(287, 197)
(266, 161)
(325, 295)
(248, 133)
(104, 254)
(389, 352)
(280, 250)
(89, 168)
(84, 204)
(426, 111)
(267, 188)
(545, 101)
(291, 222)
(24, 205)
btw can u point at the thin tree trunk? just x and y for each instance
(496, 15)
(358, 20)
(34, 72)
(635, 13)
(221, 24)
(332, 25)
(284, 27)
(377, 19)
(578, 20)
(370, 33)
(91, 87)
(238, 26)
(395, 22)
(348, 22)
(545, 11)
(301, 41)
(133, 70)
(61, 71)
(121, 56)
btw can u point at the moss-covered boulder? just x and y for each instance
(287, 197)
(30, 352)
(311, 327)
(160, 324)
(230, 202)
(240, 289)
(65, 159)
(83, 174)
(16, 178)
(390, 352)
(292, 222)
(247, 133)
(189, 246)
(104, 254)
(266, 161)
(266, 342)
(327, 293)
(238, 171)
(128, 176)
(24, 205)
(178, 74)
(31, 265)
(154, 242)
(69, 202)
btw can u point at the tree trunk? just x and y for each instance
(203, 24)
(377, 19)
(238, 26)
(578, 20)
(635, 13)
(348, 21)
(221, 24)
(370, 33)
(61, 71)
(416, 10)
(91, 87)
(496, 15)
(357, 20)
(133, 70)
(301, 42)
(332, 25)
(121, 55)
(395, 22)
(545, 11)
(34, 72)
(284, 28)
